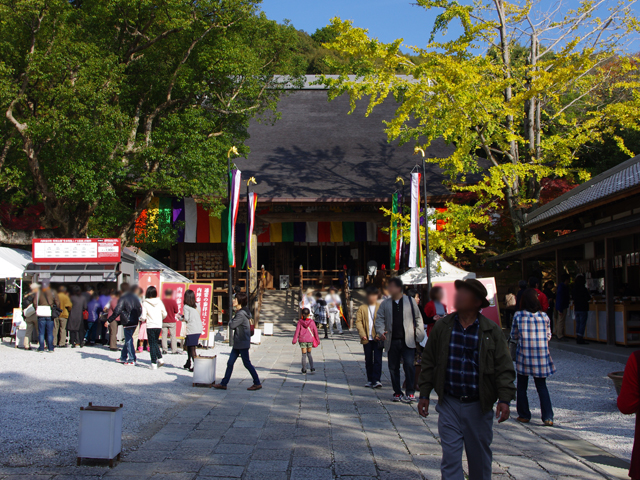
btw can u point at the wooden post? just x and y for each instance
(220, 310)
(609, 291)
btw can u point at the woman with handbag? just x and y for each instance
(531, 329)
(77, 317)
(307, 336)
(29, 304)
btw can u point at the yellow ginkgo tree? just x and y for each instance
(519, 93)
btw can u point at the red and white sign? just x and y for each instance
(203, 293)
(492, 312)
(149, 279)
(76, 250)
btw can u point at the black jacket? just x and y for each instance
(128, 309)
(241, 326)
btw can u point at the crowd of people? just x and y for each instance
(556, 302)
(71, 316)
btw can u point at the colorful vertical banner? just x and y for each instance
(234, 182)
(416, 259)
(203, 292)
(177, 217)
(395, 253)
(252, 202)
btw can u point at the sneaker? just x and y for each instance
(313, 370)
(132, 364)
(304, 370)
(368, 385)
(154, 366)
(140, 349)
(377, 385)
(119, 360)
(160, 362)
(397, 398)
(409, 398)
(164, 352)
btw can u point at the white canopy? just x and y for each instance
(13, 262)
(441, 271)
(145, 261)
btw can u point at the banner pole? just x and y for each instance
(426, 219)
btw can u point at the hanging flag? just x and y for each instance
(190, 220)
(234, 182)
(252, 202)
(394, 233)
(415, 246)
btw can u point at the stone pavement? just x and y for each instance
(322, 426)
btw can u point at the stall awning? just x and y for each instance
(13, 262)
(145, 261)
(441, 271)
(79, 273)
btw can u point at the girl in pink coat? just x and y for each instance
(307, 336)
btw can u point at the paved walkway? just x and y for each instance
(321, 427)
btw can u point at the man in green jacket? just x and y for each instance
(467, 362)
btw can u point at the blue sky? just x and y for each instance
(385, 19)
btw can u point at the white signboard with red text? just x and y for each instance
(75, 250)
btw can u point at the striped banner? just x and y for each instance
(234, 182)
(416, 258)
(194, 225)
(252, 202)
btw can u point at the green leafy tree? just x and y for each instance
(515, 114)
(107, 102)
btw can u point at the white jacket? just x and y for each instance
(153, 312)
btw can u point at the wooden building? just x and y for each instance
(322, 176)
(595, 226)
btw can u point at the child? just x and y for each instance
(320, 313)
(306, 331)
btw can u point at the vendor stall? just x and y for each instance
(13, 263)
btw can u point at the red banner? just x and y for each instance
(203, 293)
(178, 295)
(75, 250)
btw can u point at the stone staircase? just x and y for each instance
(280, 307)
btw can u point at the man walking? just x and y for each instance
(128, 311)
(169, 322)
(467, 362)
(562, 305)
(60, 323)
(333, 309)
(365, 324)
(399, 324)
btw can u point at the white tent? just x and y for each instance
(441, 271)
(145, 261)
(13, 262)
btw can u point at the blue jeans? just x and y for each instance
(373, 360)
(45, 325)
(233, 356)
(398, 350)
(91, 331)
(128, 353)
(581, 323)
(522, 401)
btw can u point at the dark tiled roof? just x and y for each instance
(613, 181)
(317, 151)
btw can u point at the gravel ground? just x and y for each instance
(41, 395)
(584, 402)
